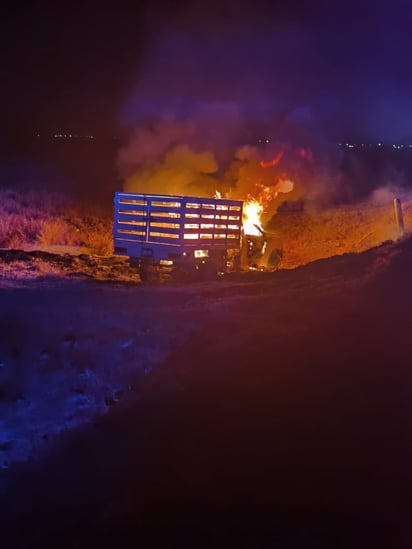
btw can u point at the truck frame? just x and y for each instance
(186, 237)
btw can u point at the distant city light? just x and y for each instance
(379, 144)
(61, 135)
(70, 135)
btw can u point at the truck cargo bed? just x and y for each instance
(165, 227)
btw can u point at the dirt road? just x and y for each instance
(282, 418)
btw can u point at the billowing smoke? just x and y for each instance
(219, 104)
(202, 156)
(168, 157)
(158, 159)
(383, 196)
(223, 110)
(148, 144)
(181, 172)
(250, 176)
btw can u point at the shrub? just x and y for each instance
(46, 219)
(17, 230)
(98, 237)
(57, 231)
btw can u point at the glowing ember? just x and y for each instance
(252, 211)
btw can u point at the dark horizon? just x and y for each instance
(214, 78)
(338, 70)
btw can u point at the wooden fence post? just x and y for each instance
(397, 206)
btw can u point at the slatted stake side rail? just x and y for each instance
(177, 220)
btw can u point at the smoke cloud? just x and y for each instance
(199, 157)
(181, 171)
(238, 110)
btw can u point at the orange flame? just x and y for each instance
(252, 211)
(274, 162)
(253, 208)
(260, 197)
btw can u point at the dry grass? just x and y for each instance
(315, 234)
(56, 231)
(40, 219)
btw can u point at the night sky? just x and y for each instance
(342, 67)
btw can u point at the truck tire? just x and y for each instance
(274, 260)
(149, 272)
(144, 273)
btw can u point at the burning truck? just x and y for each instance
(186, 237)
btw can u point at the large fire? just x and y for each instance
(260, 199)
(252, 211)
(254, 208)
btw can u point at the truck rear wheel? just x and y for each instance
(274, 260)
(149, 271)
(144, 273)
